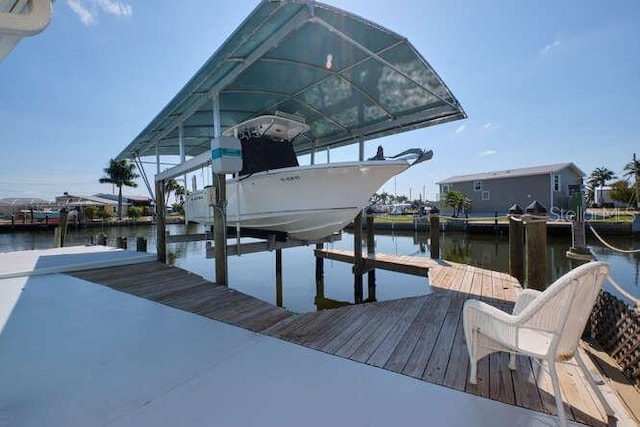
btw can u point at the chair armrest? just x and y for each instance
(490, 321)
(525, 298)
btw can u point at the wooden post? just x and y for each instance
(516, 243)
(220, 230)
(160, 222)
(536, 246)
(434, 232)
(371, 250)
(319, 263)
(357, 261)
(319, 277)
(61, 230)
(279, 277)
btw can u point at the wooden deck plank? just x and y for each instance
(403, 313)
(457, 373)
(545, 388)
(577, 392)
(426, 323)
(421, 354)
(500, 381)
(363, 334)
(384, 351)
(342, 319)
(367, 313)
(467, 281)
(437, 365)
(627, 392)
(524, 385)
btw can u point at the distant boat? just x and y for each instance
(274, 193)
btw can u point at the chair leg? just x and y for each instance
(557, 393)
(607, 408)
(512, 361)
(473, 361)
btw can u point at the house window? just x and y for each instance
(477, 185)
(556, 182)
(485, 195)
(445, 188)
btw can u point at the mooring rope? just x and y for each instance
(613, 248)
(619, 288)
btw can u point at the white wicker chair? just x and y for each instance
(544, 325)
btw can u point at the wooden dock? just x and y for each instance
(421, 337)
(416, 266)
(180, 289)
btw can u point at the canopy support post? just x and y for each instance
(220, 208)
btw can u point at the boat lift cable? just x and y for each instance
(143, 174)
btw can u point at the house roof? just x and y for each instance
(22, 201)
(513, 173)
(79, 200)
(348, 78)
(136, 198)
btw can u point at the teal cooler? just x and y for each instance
(226, 155)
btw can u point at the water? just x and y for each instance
(254, 274)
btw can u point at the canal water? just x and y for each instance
(254, 274)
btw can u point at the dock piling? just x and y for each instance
(357, 262)
(536, 246)
(434, 232)
(60, 232)
(279, 277)
(516, 243)
(371, 250)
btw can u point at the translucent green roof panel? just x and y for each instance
(349, 78)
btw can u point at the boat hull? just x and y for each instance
(306, 202)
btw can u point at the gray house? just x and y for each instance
(550, 185)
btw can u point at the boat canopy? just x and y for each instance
(349, 78)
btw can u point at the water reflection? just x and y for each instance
(297, 286)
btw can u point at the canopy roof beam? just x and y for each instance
(298, 20)
(382, 60)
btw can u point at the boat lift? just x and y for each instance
(351, 79)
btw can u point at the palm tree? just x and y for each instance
(631, 168)
(458, 201)
(119, 173)
(172, 186)
(599, 178)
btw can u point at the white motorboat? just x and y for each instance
(274, 193)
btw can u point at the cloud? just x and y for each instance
(548, 48)
(115, 7)
(88, 10)
(460, 128)
(86, 17)
(487, 125)
(487, 153)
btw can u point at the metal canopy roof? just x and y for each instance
(348, 77)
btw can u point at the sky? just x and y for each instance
(550, 81)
